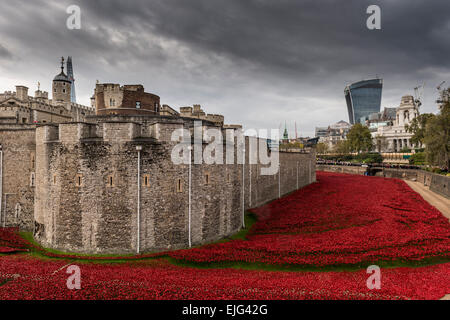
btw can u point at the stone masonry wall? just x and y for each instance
(86, 197)
(18, 175)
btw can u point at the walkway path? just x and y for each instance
(439, 202)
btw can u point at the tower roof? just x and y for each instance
(62, 76)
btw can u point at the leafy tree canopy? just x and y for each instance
(418, 126)
(437, 138)
(359, 138)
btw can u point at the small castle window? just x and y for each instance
(228, 178)
(64, 90)
(32, 179)
(207, 178)
(54, 179)
(146, 180)
(79, 180)
(138, 104)
(179, 185)
(32, 160)
(110, 181)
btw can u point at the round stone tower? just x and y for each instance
(61, 86)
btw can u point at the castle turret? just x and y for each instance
(61, 89)
(22, 93)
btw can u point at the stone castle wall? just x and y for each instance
(86, 192)
(17, 175)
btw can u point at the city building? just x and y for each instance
(363, 98)
(321, 132)
(113, 99)
(335, 133)
(394, 138)
(166, 110)
(20, 108)
(285, 135)
(73, 97)
(381, 119)
(107, 182)
(197, 112)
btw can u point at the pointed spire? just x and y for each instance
(69, 68)
(285, 135)
(296, 135)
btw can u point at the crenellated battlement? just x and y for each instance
(109, 131)
(87, 178)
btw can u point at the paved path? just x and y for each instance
(439, 202)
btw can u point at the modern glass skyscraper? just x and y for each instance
(363, 98)
(73, 97)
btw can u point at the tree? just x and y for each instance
(322, 148)
(292, 145)
(341, 147)
(437, 138)
(417, 127)
(418, 158)
(359, 138)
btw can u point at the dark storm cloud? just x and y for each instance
(259, 62)
(296, 36)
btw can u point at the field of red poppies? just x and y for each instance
(10, 241)
(31, 278)
(341, 221)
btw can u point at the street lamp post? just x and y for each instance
(190, 188)
(139, 149)
(279, 180)
(243, 187)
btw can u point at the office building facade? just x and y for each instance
(363, 98)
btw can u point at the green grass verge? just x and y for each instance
(310, 268)
(80, 257)
(4, 281)
(250, 220)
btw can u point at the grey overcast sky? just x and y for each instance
(258, 62)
